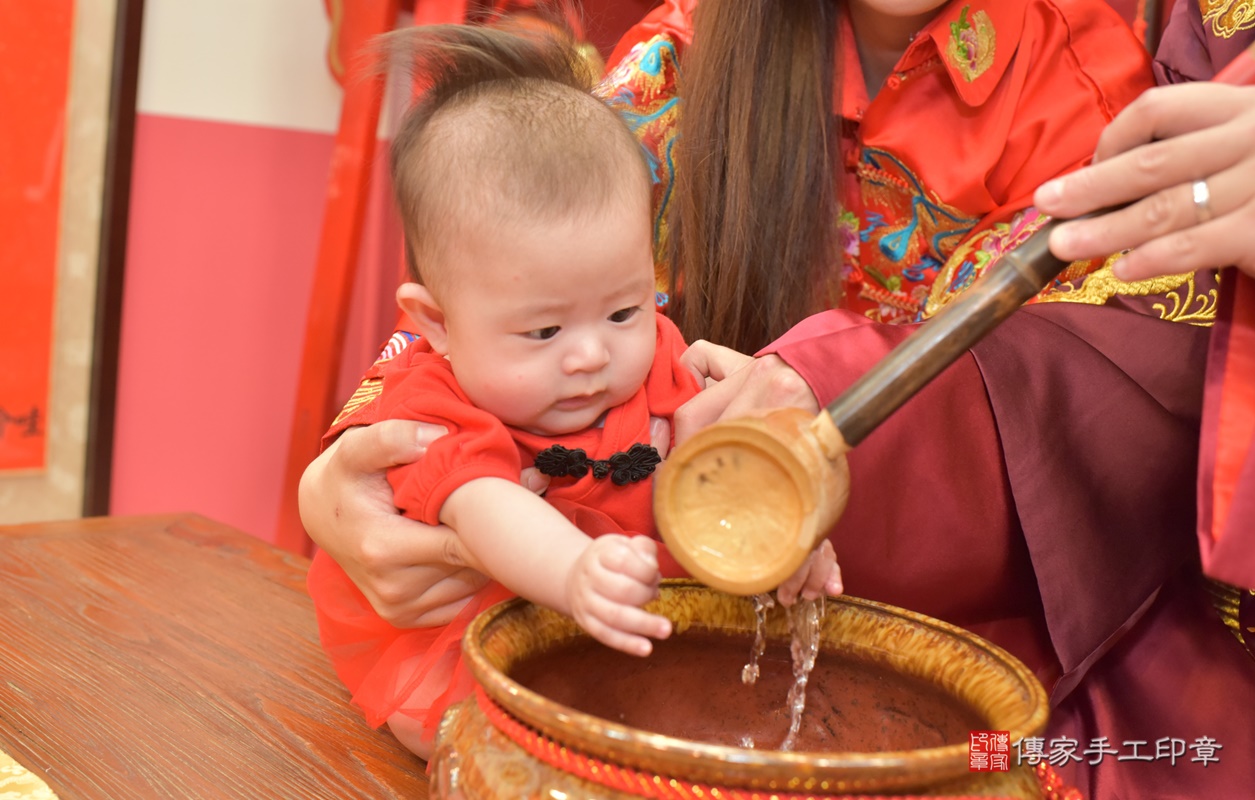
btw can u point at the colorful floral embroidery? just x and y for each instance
(1090, 282)
(906, 236)
(904, 252)
(847, 234)
(1227, 17)
(971, 47)
(643, 89)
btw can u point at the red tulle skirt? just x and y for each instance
(417, 672)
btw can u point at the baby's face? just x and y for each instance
(551, 324)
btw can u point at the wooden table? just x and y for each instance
(175, 657)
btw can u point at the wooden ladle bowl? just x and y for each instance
(744, 502)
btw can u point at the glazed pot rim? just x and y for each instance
(752, 768)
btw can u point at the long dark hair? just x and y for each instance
(753, 215)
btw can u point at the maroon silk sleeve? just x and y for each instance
(1098, 413)
(1049, 468)
(1191, 50)
(930, 524)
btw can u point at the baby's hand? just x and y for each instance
(612, 579)
(818, 576)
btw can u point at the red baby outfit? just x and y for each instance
(417, 671)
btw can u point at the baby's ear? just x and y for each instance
(421, 307)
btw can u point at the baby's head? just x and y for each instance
(526, 207)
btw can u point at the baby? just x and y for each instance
(526, 206)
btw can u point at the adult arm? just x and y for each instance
(934, 467)
(986, 500)
(1150, 156)
(414, 575)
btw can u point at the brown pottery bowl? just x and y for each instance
(1000, 690)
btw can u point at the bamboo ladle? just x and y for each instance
(743, 502)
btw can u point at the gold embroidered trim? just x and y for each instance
(971, 46)
(1227, 17)
(1227, 600)
(366, 391)
(1187, 303)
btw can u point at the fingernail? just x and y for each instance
(535, 482)
(1120, 269)
(834, 587)
(658, 427)
(1049, 192)
(426, 434)
(1062, 239)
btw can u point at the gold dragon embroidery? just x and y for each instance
(1183, 302)
(1227, 17)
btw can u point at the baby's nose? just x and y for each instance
(589, 354)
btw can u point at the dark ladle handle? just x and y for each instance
(1016, 277)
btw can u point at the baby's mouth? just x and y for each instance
(579, 401)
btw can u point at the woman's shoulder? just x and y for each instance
(1091, 39)
(1095, 32)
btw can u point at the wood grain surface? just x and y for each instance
(175, 657)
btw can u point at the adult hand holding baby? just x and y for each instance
(413, 575)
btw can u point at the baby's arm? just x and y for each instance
(529, 547)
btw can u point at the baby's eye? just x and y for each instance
(543, 333)
(624, 314)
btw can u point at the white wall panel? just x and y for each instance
(258, 62)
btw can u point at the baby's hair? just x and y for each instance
(506, 130)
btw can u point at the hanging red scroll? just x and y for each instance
(34, 85)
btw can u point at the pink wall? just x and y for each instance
(223, 233)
